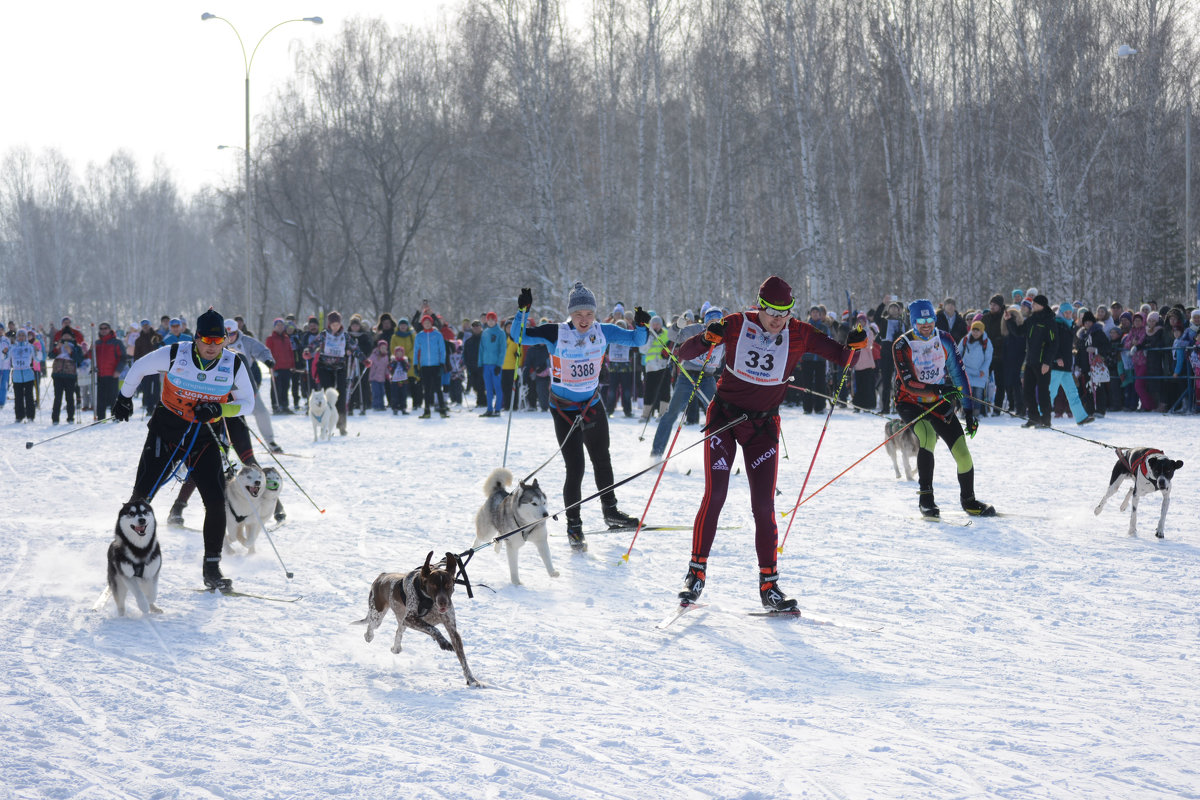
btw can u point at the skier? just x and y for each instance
(203, 383)
(762, 347)
(577, 350)
(925, 357)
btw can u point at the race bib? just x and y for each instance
(575, 364)
(335, 346)
(929, 359)
(761, 357)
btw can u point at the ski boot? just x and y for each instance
(426, 415)
(213, 579)
(176, 515)
(773, 598)
(616, 518)
(976, 508)
(274, 448)
(927, 505)
(575, 536)
(693, 582)
(445, 412)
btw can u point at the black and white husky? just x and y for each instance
(504, 511)
(134, 558)
(1151, 472)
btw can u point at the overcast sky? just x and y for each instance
(152, 78)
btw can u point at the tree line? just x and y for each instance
(664, 152)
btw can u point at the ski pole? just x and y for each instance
(250, 500)
(516, 373)
(285, 472)
(622, 482)
(806, 390)
(859, 461)
(817, 449)
(30, 445)
(678, 428)
(570, 430)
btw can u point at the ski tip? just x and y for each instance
(321, 510)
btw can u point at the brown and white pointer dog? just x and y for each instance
(420, 600)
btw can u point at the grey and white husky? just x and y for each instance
(504, 511)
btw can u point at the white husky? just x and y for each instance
(505, 511)
(322, 410)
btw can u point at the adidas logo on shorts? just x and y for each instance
(721, 464)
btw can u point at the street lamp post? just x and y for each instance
(247, 62)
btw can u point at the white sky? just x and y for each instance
(152, 78)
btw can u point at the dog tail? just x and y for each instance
(497, 481)
(362, 621)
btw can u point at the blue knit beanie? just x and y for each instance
(713, 314)
(1065, 308)
(921, 310)
(581, 299)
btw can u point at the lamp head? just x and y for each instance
(207, 16)
(314, 20)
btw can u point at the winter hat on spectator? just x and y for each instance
(1087, 318)
(1041, 300)
(998, 299)
(333, 316)
(618, 310)
(210, 323)
(1017, 294)
(655, 317)
(776, 293)
(712, 314)
(977, 325)
(1126, 315)
(580, 299)
(276, 321)
(145, 323)
(1065, 308)
(426, 317)
(403, 321)
(1153, 318)
(1027, 305)
(175, 321)
(491, 315)
(1032, 292)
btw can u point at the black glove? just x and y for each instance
(207, 412)
(270, 364)
(122, 410)
(949, 392)
(856, 339)
(496, 370)
(972, 424)
(641, 316)
(525, 299)
(715, 332)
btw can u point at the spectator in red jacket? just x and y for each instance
(108, 353)
(280, 345)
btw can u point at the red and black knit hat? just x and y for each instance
(775, 293)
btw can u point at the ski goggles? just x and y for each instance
(924, 320)
(772, 310)
(212, 339)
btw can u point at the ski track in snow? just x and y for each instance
(1046, 655)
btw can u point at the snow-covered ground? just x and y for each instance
(1042, 654)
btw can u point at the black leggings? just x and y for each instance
(592, 433)
(161, 453)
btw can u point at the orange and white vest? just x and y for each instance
(186, 384)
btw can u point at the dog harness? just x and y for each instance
(1135, 460)
(186, 384)
(424, 603)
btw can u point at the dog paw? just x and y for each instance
(1159, 534)
(1097, 510)
(369, 635)
(396, 649)
(474, 684)
(553, 573)
(445, 645)
(155, 609)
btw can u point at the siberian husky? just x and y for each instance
(1151, 472)
(250, 498)
(134, 558)
(322, 410)
(905, 445)
(504, 511)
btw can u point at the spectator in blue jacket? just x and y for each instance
(429, 357)
(492, 347)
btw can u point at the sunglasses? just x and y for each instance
(212, 339)
(925, 320)
(773, 310)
